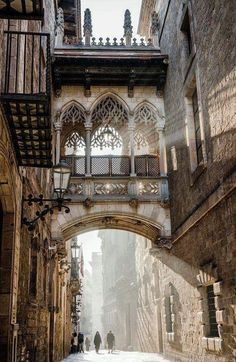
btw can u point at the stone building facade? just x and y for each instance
(35, 290)
(198, 278)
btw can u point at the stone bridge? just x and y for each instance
(138, 205)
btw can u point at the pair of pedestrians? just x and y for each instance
(110, 341)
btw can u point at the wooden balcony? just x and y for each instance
(21, 9)
(25, 96)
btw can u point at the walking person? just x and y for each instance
(87, 344)
(80, 342)
(110, 341)
(97, 341)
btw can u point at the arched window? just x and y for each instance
(105, 140)
(109, 110)
(145, 133)
(75, 144)
(73, 113)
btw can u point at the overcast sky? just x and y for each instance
(108, 16)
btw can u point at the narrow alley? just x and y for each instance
(117, 356)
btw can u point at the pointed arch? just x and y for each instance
(73, 112)
(109, 107)
(146, 112)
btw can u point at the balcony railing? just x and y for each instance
(25, 95)
(21, 9)
(114, 166)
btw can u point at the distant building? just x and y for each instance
(96, 293)
(86, 308)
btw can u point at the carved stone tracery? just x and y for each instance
(106, 137)
(109, 110)
(75, 141)
(74, 113)
(145, 114)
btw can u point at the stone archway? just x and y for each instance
(150, 219)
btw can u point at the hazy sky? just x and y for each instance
(91, 242)
(108, 16)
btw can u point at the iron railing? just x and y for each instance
(27, 63)
(114, 166)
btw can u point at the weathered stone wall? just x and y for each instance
(202, 200)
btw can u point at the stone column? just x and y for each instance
(131, 139)
(58, 127)
(162, 152)
(88, 129)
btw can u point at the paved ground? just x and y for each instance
(116, 356)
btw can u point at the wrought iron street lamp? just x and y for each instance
(61, 178)
(75, 250)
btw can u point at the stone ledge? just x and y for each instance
(212, 344)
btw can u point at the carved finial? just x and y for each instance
(155, 27)
(87, 26)
(128, 29)
(59, 28)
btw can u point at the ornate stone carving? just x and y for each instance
(88, 23)
(75, 189)
(110, 189)
(106, 137)
(88, 203)
(155, 23)
(109, 109)
(145, 114)
(59, 28)
(128, 28)
(75, 141)
(109, 221)
(140, 140)
(164, 242)
(134, 203)
(74, 113)
(149, 188)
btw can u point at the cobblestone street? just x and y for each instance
(117, 356)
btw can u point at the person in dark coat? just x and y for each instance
(97, 341)
(80, 342)
(110, 341)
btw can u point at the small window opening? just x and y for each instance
(197, 127)
(213, 326)
(185, 28)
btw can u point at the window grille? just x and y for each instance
(197, 127)
(109, 109)
(213, 326)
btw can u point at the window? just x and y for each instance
(185, 28)
(213, 326)
(197, 128)
(169, 325)
(173, 158)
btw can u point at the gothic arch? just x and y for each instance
(73, 112)
(107, 106)
(146, 112)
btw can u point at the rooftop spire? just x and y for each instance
(87, 26)
(128, 28)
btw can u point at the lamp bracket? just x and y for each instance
(58, 203)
